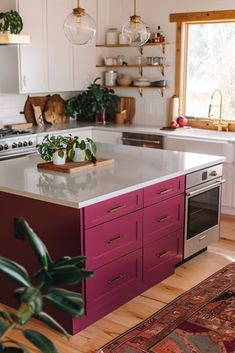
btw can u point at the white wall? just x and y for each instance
(153, 109)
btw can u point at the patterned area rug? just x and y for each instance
(201, 320)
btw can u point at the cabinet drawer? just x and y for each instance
(115, 282)
(163, 218)
(118, 206)
(113, 239)
(160, 257)
(163, 191)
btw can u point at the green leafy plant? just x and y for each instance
(92, 102)
(87, 145)
(50, 145)
(51, 276)
(11, 21)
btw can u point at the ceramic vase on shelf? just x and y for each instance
(58, 159)
(79, 155)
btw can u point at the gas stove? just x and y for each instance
(15, 143)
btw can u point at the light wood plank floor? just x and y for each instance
(186, 276)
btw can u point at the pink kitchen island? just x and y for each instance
(127, 218)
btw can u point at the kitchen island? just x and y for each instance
(126, 217)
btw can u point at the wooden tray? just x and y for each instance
(73, 167)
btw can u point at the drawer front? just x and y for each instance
(111, 240)
(118, 206)
(162, 254)
(163, 218)
(115, 282)
(163, 191)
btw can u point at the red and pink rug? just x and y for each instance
(201, 320)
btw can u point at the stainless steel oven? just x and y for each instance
(16, 143)
(202, 209)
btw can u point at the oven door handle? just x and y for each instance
(206, 188)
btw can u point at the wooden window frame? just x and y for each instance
(182, 21)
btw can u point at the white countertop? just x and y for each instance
(207, 135)
(133, 168)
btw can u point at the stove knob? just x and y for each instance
(30, 143)
(213, 173)
(14, 145)
(25, 143)
(1, 147)
(20, 144)
(6, 147)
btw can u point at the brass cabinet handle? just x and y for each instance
(116, 279)
(166, 191)
(114, 240)
(164, 219)
(163, 254)
(115, 209)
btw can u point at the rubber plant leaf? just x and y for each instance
(78, 261)
(40, 341)
(67, 275)
(52, 323)
(23, 231)
(67, 301)
(22, 348)
(14, 271)
(3, 326)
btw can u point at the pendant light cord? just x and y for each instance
(135, 7)
(78, 2)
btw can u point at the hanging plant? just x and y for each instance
(11, 21)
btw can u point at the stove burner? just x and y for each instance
(13, 132)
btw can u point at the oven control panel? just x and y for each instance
(204, 175)
(17, 144)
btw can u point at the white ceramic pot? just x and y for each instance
(57, 160)
(79, 155)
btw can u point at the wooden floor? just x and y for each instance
(138, 309)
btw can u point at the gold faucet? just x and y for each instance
(218, 122)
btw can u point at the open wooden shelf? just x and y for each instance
(140, 88)
(160, 67)
(129, 46)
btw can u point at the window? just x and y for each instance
(205, 63)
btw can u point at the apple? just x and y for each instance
(174, 124)
(182, 121)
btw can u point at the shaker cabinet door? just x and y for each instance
(33, 57)
(60, 51)
(85, 55)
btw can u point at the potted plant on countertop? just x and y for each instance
(80, 150)
(94, 104)
(53, 148)
(52, 275)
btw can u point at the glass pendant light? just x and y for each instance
(79, 27)
(136, 31)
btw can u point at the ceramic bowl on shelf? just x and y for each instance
(124, 80)
(142, 82)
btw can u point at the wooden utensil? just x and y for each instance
(128, 104)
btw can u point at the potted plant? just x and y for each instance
(79, 150)
(93, 104)
(52, 275)
(53, 148)
(11, 22)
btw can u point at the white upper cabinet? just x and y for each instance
(85, 55)
(60, 50)
(50, 63)
(33, 72)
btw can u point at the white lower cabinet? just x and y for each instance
(107, 136)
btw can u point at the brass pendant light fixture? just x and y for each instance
(79, 27)
(136, 31)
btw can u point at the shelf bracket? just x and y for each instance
(140, 91)
(163, 48)
(162, 70)
(141, 50)
(141, 70)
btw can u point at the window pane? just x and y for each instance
(210, 66)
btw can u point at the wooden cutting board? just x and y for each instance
(73, 167)
(128, 104)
